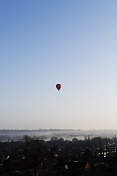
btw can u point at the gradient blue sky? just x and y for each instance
(44, 42)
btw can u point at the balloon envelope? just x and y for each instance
(58, 86)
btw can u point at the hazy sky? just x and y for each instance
(72, 42)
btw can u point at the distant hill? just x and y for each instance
(47, 134)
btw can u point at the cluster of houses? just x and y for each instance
(60, 157)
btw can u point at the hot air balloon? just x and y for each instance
(58, 86)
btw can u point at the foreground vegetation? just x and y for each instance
(59, 157)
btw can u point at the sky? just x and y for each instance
(45, 42)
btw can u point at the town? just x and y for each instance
(59, 157)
